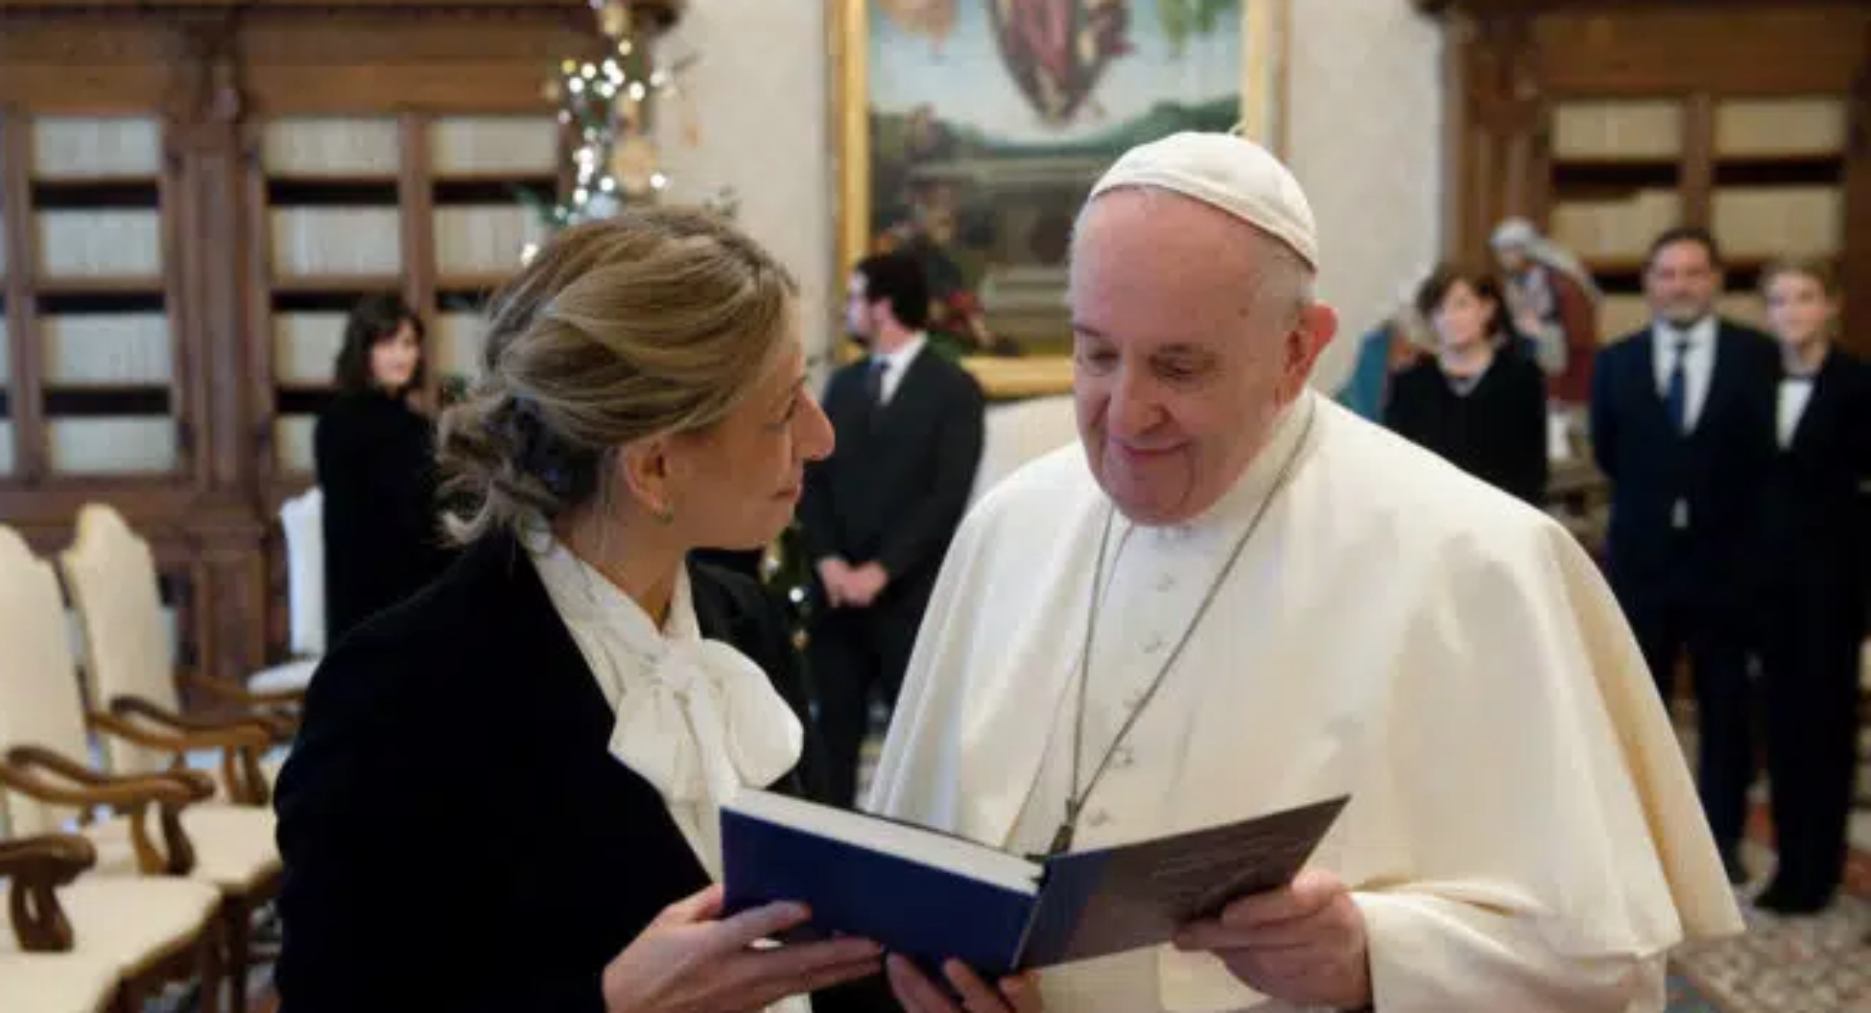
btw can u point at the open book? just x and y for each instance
(932, 896)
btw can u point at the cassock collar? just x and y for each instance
(1236, 508)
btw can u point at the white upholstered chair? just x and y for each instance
(112, 578)
(302, 518)
(132, 676)
(72, 939)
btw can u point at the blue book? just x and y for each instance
(932, 896)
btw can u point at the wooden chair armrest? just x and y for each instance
(63, 856)
(131, 796)
(240, 743)
(195, 732)
(194, 783)
(38, 866)
(21, 773)
(39, 756)
(229, 692)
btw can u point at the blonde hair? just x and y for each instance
(655, 321)
(1816, 268)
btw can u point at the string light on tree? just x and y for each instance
(606, 105)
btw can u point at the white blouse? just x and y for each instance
(696, 718)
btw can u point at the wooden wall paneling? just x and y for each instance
(215, 259)
(22, 258)
(476, 62)
(84, 62)
(1697, 183)
(1743, 49)
(233, 603)
(416, 199)
(1461, 135)
(1855, 259)
(254, 278)
(182, 301)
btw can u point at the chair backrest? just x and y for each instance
(303, 518)
(1022, 431)
(112, 578)
(40, 700)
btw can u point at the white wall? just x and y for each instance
(758, 98)
(1364, 136)
(1363, 133)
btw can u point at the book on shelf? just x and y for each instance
(1615, 229)
(331, 146)
(1766, 128)
(1619, 315)
(483, 238)
(337, 241)
(458, 340)
(126, 445)
(1779, 221)
(99, 243)
(305, 346)
(94, 147)
(292, 443)
(932, 896)
(1617, 131)
(484, 146)
(108, 348)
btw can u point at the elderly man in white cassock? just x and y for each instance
(1235, 598)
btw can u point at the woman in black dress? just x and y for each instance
(1478, 402)
(1814, 565)
(376, 467)
(505, 789)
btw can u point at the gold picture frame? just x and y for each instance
(1264, 27)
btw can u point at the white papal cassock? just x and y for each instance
(1522, 833)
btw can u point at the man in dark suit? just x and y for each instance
(879, 513)
(1682, 424)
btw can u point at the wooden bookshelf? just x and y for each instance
(1755, 120)
(196, 458)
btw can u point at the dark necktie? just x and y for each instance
(1676, 397)
(874, 382)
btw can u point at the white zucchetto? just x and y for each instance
(1224, 171)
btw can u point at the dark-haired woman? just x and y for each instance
(1479, 402)
(375, 454)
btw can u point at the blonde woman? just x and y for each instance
(504, 794)
(1815, 562)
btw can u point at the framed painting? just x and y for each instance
(970, 131)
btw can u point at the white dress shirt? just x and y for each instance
(1698, 366)
(897, 363)
(696, 718)
(1796, 392)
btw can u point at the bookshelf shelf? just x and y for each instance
(101, 286)
(96, 191)
(1779, 170)
(340, 179)
(337, 284)
(529, 180)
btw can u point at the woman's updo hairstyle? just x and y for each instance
(654, 321)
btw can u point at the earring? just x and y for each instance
(664, 515)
